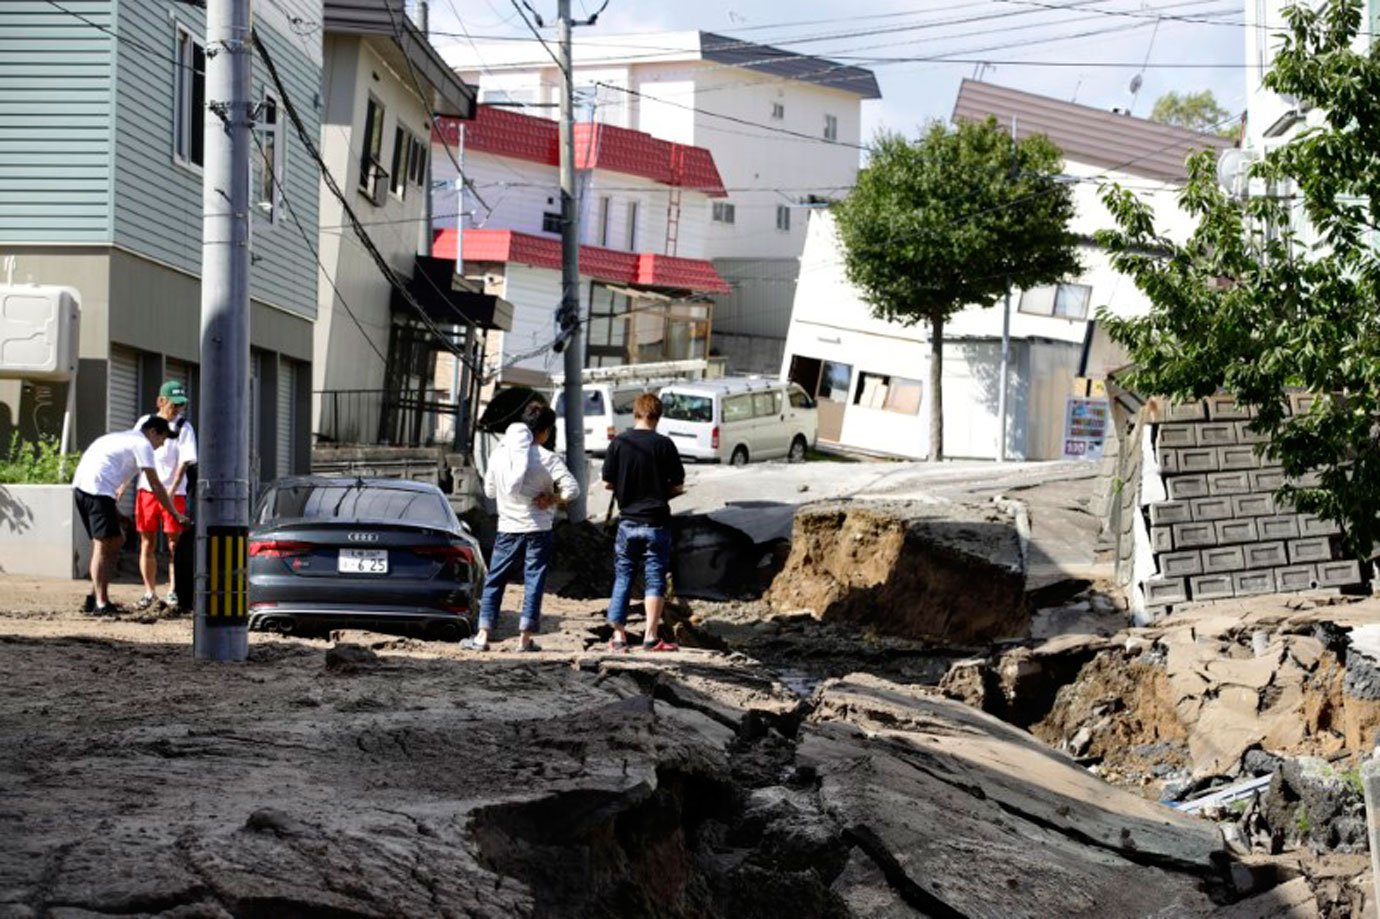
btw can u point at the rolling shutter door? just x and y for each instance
(122, 402)
(182, 373)
(287, 415)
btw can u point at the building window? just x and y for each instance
(831, 128)
(402, 162)
(778, 111)
(833, 381)
(189, 115)
(1063, 301)
(418, 160)
(551, 222)
(270, 155)
(723, 212)
(888, 393)
(783, 218)
(632, 226)
(605, 205)
(371, 151)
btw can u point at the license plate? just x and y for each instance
(363, 561)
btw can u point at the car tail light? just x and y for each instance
(446, 553)
(278, 548)
(714, 437)
(456, 608)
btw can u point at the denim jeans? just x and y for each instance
(529, 553)
(638, 543)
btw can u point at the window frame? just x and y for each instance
(605, 211)
(398, 178)
(370, 153)
(783, 218)
(734, 401)
(279, 151)
(186, 138)
(551, 222)
(723, 212)
(1054, 292)
(778, 111)
(632, 226)
(831, 128)
(882, 392)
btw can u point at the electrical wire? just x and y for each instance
(537, 35)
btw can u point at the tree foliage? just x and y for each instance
(1280, 289)
(1198, 111)
(944, 222)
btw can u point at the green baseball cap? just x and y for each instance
(173, 392)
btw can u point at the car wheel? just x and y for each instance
(798, 448)
(740, 456)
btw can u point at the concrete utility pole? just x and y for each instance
(1005, 335)
(568, 317)
(221, 630)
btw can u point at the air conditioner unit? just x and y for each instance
(38, 332)
(380, 190)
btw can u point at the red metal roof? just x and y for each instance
(644, 268)
(597, 146)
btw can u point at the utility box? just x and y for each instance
(39, 327)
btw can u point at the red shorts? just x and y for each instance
(148, 514)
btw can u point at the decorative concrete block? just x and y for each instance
(1231, 531)
(1265, 555)
(1240, 456)
(1168, 461)
(1224, 407)
(1310, 550)
(1252, 505)
(1307, 480)
(1296, 577)
(1180, 564)
(1210, 509)
(1229, 483)
(1339, 574)
(1178, 435)
(1283, 526)
(1313, 525)
(1161, 539)
(1198, 459)
(1217, 433)
(1183, 487)
(1270, 479)
(1186, 411)
(1211, 586)
(1163, 513)
(1219, 559)
(1301, 402)
(1193, 535)
(1163, 591)
(1251, 583)
(1244, 434)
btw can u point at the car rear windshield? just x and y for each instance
(349, 501)
(685, 407)
(594, 402)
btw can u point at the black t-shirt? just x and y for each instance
(644, 466)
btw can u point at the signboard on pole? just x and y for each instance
(1085, 427)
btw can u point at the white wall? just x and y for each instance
(535, 294)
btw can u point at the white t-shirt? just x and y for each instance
(174, 451)
(111, 461)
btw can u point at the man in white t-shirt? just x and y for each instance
(173, 458)
(108, 463)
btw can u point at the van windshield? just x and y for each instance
(594, 403)
(680, 406)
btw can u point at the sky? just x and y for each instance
(1053, 47)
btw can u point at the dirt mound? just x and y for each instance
(951, 575)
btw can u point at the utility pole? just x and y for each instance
(568, 317)
(221, 629)
(1005, 334)
(424, 21)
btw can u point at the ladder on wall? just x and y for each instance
(673, 199)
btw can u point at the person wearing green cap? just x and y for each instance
(174, 457)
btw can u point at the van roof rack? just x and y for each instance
(660, 370)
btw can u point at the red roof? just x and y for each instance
(597, 146)
(644, 268)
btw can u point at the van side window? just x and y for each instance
(799, 399)
(737, 408)
(765, 404)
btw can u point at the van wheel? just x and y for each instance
(740, 456)
(798, 448)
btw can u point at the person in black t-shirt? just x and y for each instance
(643, 470)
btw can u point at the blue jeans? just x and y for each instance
(638, 543)
(529, 553)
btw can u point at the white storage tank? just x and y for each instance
(38, 331)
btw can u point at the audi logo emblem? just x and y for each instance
(363, 537)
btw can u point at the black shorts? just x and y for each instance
(99, 515)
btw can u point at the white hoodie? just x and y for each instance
(518, 472)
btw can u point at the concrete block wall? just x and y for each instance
(1221, 532)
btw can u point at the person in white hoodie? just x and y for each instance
(528, 481)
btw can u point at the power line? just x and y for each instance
(535, 34)
(121, 37)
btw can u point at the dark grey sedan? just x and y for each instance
(369, 553)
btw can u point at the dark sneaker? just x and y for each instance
(89, 603)
(145, 602)
(110, 609)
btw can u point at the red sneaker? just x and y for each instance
(659, 647)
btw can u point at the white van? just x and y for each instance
(608, 412)
(738, 419)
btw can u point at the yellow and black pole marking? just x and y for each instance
(227, 575)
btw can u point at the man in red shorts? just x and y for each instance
(176, 454)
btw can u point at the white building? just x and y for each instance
(784, 128)
(871, 375)
(645, 284)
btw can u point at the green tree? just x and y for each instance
(948, 221)
(1198, 111)
(1253, 304)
